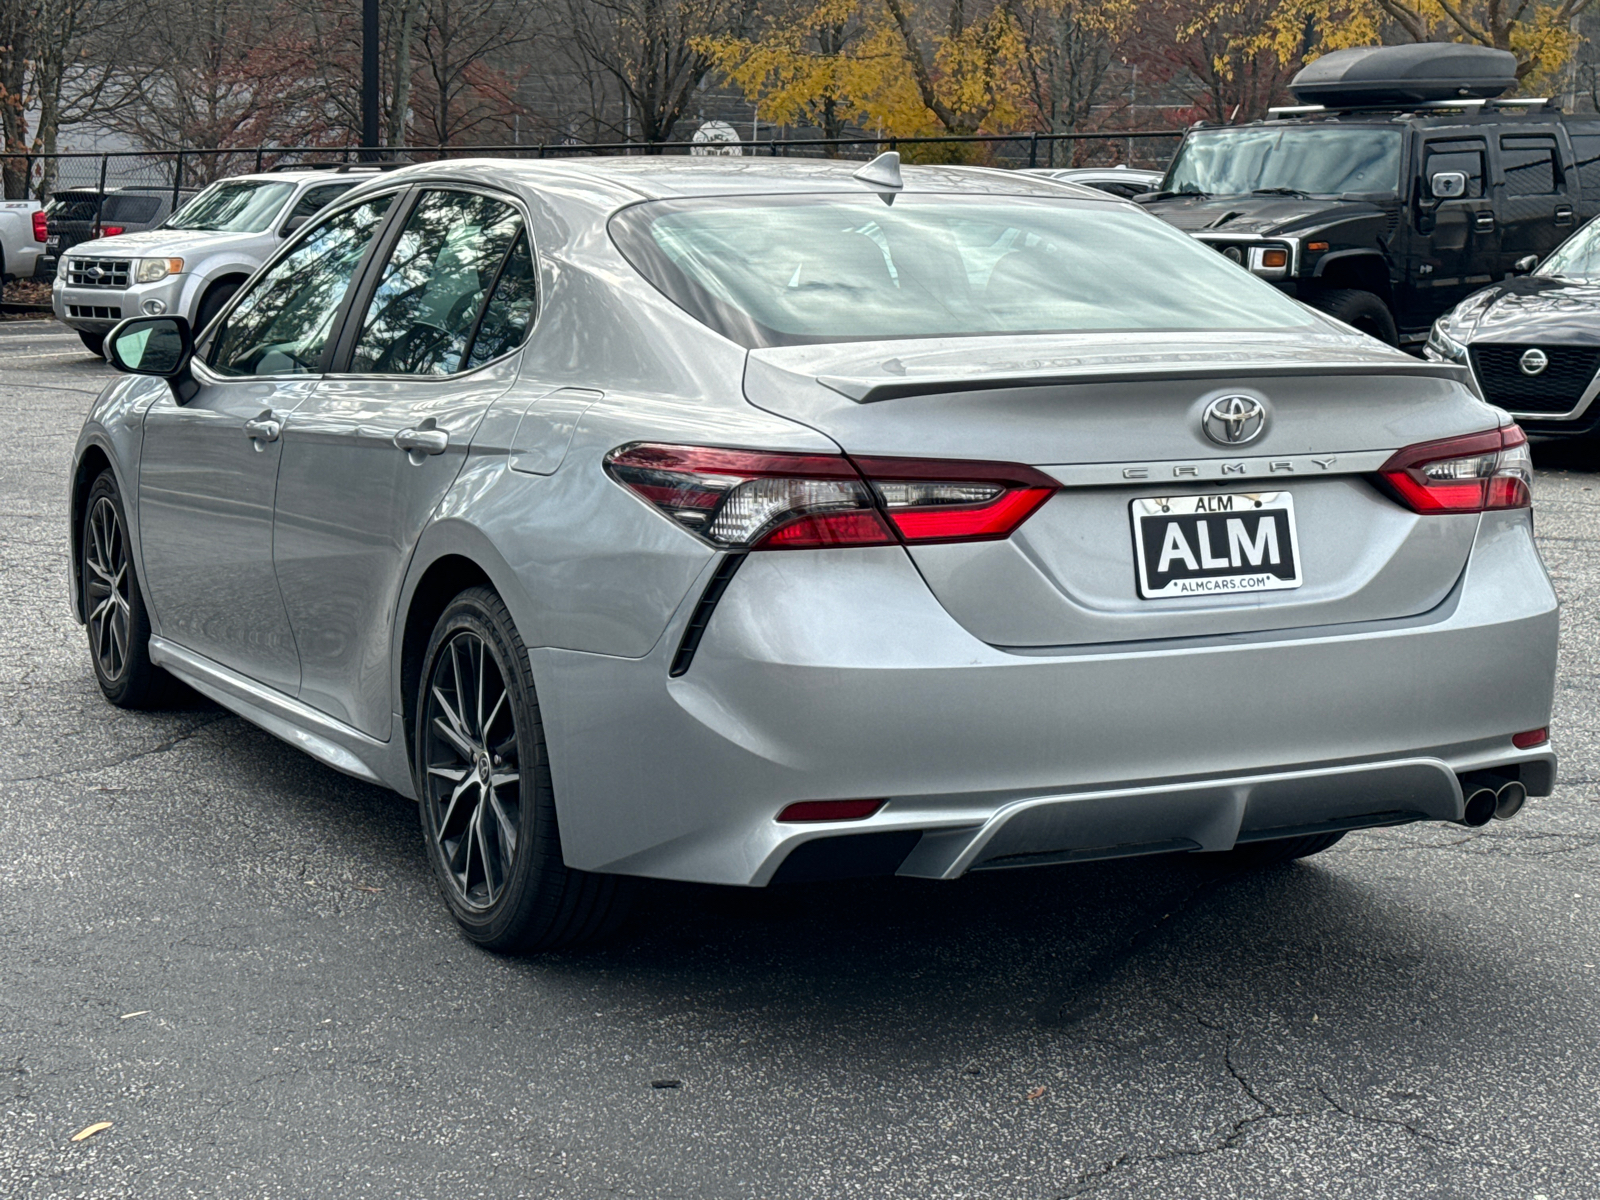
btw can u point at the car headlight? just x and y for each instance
(1444, 348)
(152, 269)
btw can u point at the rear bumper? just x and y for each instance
(836, 674)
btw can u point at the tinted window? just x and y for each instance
(314, 200)
(283, 323)
(511, 307)
(1586, 149)
(1529, 164)
(72, 206)
(1320, 160)
(434, 283)
(1466, 157)
(133, 209)
(233, 207)
(797, 269)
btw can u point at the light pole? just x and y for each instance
(369, 79)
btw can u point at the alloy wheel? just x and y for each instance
(109, 586)
(473, 784)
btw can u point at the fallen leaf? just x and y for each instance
(91, 1130)
(1036, 1093)
(143, 1012)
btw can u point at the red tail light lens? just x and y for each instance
(111, 230)
(1475, 473)
(756, 500)
(41, 226)
(1530, 739)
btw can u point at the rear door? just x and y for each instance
(1536, 209)
(368, 458)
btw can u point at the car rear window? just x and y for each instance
(792, 270)
(131, 209)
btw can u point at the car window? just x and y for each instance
(131, 209)
(511, 307)
(772, 271)
(282, 324)
(1464, 156)
(314, 200)
(1322, 160)
(72, 206)
(232, 207)
(1578, 257)
(433, 286)
(1529, 164)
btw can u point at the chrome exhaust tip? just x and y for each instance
(1508, 801)
(1480, 807)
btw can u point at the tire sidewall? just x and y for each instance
(499, 925)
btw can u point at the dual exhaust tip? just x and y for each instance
(1492, 799)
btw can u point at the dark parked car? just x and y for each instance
(1534, 342)
(80, 215)
(1402, 191)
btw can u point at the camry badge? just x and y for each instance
(1533, 361)
(1234, 420)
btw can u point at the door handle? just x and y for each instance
(422, 441)
(1563, 215)
(1484, 222)
(263, 429)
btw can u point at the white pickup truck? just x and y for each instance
(194, 261)
(22, 237)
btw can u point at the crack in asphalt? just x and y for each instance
(159, 748)
(1420, 1134)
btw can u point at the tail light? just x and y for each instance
(111, 230)
(756, 500)
(41, 226)
(1475, 473)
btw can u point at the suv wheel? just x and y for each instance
(488, 809)
(212, 303)
(94, 343)
(1364, 310)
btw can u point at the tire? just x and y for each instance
(94, 343)
(1254, 855)
(212, 303)
(117, 622)
(488, 807)
(1366, 311)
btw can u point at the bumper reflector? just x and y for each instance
(1534, 737)
(830, 810)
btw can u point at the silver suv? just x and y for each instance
(194, 261)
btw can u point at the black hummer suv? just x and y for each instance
(1406, 189)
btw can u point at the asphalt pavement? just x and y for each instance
(237, 958)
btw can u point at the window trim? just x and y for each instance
(367, 284)
(202, 355)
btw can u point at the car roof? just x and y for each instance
(619, 179)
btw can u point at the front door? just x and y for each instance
(369, 457)
(208, 474)
(1457, 239)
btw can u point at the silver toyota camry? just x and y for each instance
(742, 522)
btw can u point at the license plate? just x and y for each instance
(1214, 544)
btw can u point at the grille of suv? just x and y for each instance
(1556, 389)
(95, 312)
(98, 272)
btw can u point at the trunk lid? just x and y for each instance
(1118, 420)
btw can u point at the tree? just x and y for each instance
(459, 38)
(963, 66)
(1070, 51)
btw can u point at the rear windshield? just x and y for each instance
(132, 209)
(72, 206)
(792, 270)
(232, 208)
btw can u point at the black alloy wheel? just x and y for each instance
(488, 807)
(474, 785)
(113, 609)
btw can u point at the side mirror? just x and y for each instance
(1525, 264)
(1448, 185)
(294, 222)
(160, 346)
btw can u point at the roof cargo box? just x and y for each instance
(1416, 74)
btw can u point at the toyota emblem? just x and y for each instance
(1234, 420)
(1533, 361)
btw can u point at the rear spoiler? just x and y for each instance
(872, 390)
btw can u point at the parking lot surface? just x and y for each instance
(237, 958)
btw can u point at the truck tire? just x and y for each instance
(1365, 310)
(94, 343)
